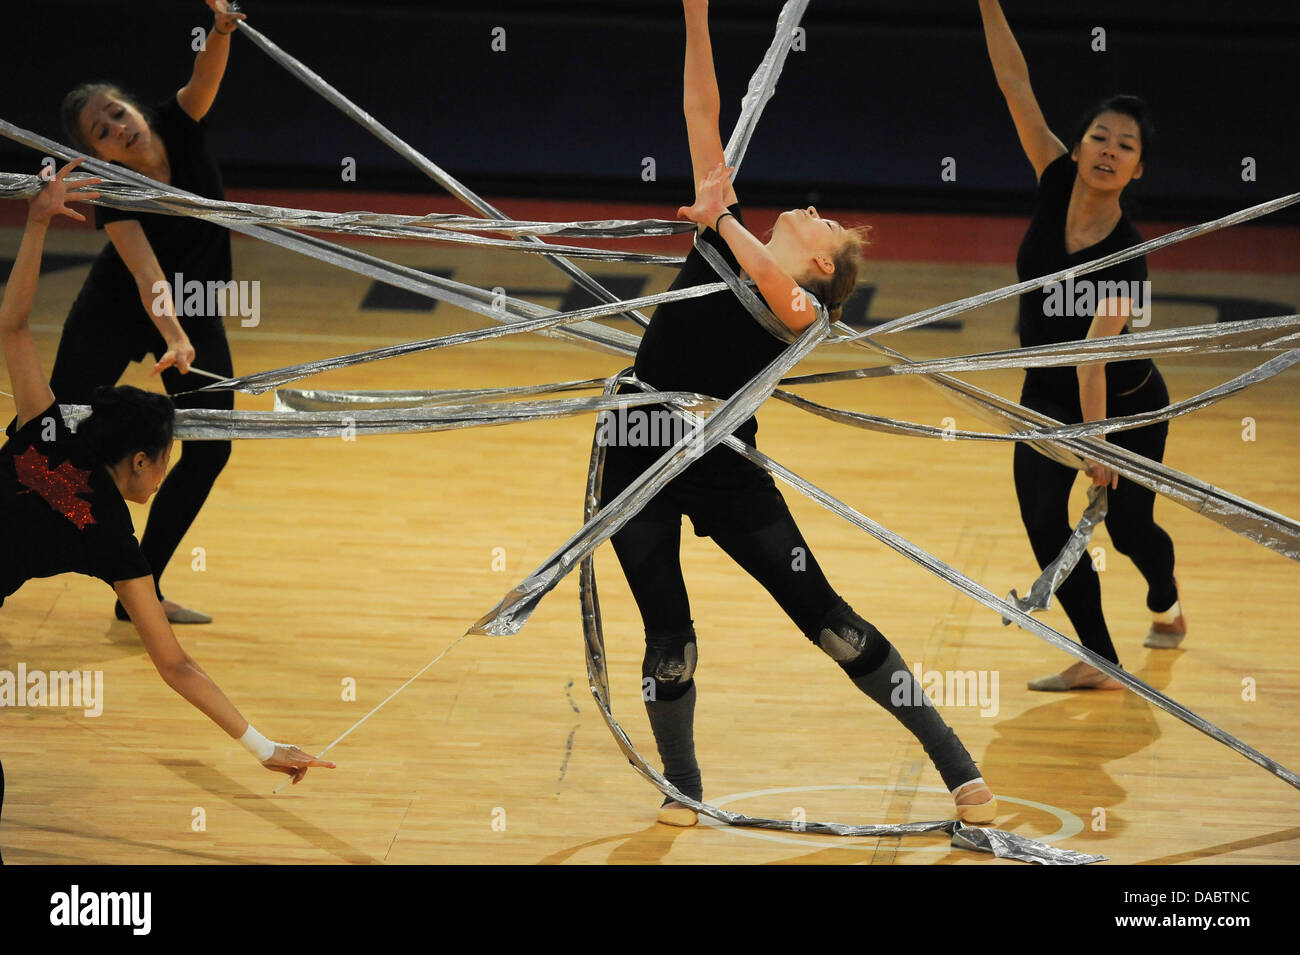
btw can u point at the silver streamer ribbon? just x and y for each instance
(998, 411)
(985, 403)
(263, 381)
(500, 308)
(760, 89)
(986, 597)
(1275, 531)
(513, 611)
(1132, 252)
(119, 195)
(505, 309)
(763, 83)
(317, 84)
(1008, 845)
(1278, 333)
(200, 424)
(125, 195)
(1254, 376)
(290, 399)
(244, 424)
(1042, 589)
(757, 308)
(998, 842)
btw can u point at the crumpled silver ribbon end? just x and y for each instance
(498, 622)
(490, 626)
(1040, 594)
(1019, 603)
(1008, 845)
(509, 616)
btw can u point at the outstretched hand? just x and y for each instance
(289, 759)
(709, 197)
(52, 200)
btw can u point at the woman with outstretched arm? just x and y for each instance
(1078, 217)
(63, 494)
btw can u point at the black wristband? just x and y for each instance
(719, 221)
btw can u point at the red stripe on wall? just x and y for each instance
(896, 236)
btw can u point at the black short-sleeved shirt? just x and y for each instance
(108, 306)
(710, 344)
(60, 511)
(1042, 252)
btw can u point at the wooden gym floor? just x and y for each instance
(327, 561)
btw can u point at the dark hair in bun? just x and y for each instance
(124, 420)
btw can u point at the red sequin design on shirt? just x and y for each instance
(59, 487)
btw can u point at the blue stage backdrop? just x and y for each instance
(583, 94)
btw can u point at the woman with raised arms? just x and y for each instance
(1078, 218)
(713, 345)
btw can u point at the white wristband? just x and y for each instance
(257, 744)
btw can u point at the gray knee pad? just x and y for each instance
(669, 664)
(850, 641)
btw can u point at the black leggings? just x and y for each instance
(1043, 488)
(741, 509)
(83, 363)
(776, 556)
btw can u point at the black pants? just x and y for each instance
(735, 503)
(86, 360)
(1043, 489)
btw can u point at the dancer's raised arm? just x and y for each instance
(197, 96)
(783, 293)
(1040, 144)
(700, 102)
(32, 393)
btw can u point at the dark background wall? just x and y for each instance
(586, 91)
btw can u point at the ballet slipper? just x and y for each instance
(186, 615)
(673, 813)
(1166, 636)
(975, 813)
(1059, 682)
(1050, 684)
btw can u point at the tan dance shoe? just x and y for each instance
(186, 615)
(1089, 678)
(673, 813)
(975, 802)
(1167, 636)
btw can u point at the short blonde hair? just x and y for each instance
(835, 289)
